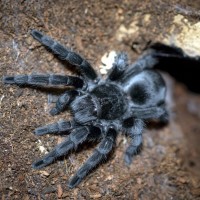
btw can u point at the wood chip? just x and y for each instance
(60, 191)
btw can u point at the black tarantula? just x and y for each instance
(101, 108)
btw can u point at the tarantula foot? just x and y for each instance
(75, 180)
(39, 164)
(43, 162)
(36, 34)
(128, 159)
(8, 80)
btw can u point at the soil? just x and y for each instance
(168, 165)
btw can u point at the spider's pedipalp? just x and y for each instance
(66, 54)
(43, 80)
(60, 127)
(99, 154)
(63, 101)
(76, 137)
(119, 66)
(136, 140)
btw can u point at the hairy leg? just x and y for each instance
(60, 127)
(99, 154)
(147, 60)
(165, 51)
(66, 54)
(136, 140)
(76, 137)
(153, 56)
(43, 80)
(155, 112)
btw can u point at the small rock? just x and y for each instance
(45, 173)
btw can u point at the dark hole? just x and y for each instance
(182, 67)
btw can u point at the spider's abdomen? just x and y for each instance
(112, 102)
(146, 88)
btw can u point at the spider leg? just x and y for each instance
(63, 101)
(136, 140)
(99, 154)
(77, 136)
(43, 80)
(60, 127)
(119, 66)
(165, 51)
(154, 112)
(147, 60)
(156, 53)
(66, 54)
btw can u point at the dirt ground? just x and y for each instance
(168, 165)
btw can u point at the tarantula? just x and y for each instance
(101, 108)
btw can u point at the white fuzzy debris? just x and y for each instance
(107, 61)
(103, 71)
(1, 98)
(125, 141)
(41, 147)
